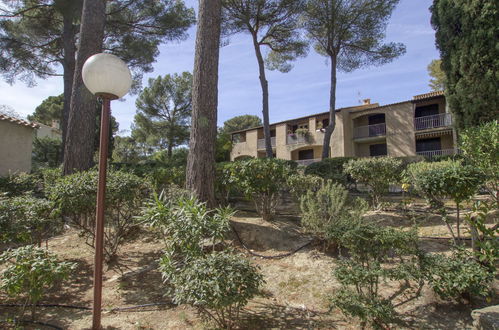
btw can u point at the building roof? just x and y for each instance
(371, 106)
(18, 121)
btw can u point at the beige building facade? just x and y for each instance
(16, 143)
(421, 126)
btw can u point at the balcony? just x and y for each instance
(297, 139)
(306, 162)
(368, 131)
(433, 153)
(261, 143)
(434, 121)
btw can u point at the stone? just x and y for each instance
(486, 318)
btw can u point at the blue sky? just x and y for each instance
(302, 91)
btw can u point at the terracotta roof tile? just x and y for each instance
(18, 121)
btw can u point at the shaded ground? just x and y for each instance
(295, 295)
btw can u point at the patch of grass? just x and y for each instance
(293, 283)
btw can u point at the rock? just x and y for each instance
(486, 318)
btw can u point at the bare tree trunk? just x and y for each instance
(79, 148)
(265, 97)
(201, 160)
(68, 44)
(332, 109)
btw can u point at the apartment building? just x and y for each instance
(421, 126)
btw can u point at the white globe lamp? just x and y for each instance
(108, 77)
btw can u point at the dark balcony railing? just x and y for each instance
(369, 131)
(296, 139)
(433, 153)
(434, 121)
(261, 143)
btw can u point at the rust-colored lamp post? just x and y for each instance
(107, 77)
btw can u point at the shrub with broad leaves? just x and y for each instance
(377, 173)
(331, 169)
(262, 180)
(29, 272)
(75, 196)
(27, 219)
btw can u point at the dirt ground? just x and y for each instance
(295, 295)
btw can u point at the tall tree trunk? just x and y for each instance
(79, 148)
(265, 97)
(332, 110)
(69, 47)
(201, 160)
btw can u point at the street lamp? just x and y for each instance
(107, 77)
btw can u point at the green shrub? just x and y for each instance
(219, 285)
(224, 185)
(186, 224)
(480, 148)
(19, 184)
(75, 196)
(27, 219)
(299, 184)
(331, 169)
(164, 176)
(447, 179)
(484, 240)
(29, 272)
(457, 276)
(328, 211)
(46, 152)
(261, 180)
(377, 173)
(377, 254)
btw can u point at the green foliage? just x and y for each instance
(437, 81)
(27, 219)
(49, 110)
(457, 276)
(224, 185)
(299, 184)
(127, 150)
(484, 238)
(466, 37)
(19, 183)
(164, 111)
(30, 271)
(185, 224)
(446, 179)
(377, 173)
(46, 152)
(328, 211)
(240, 123)
(75, 195)
(377, 254)
(480, 148)
(219, 285)
(262, 181)
(331, 169)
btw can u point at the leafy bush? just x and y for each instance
(29, 272)
(19, 184)
(331, 169)
(328, 211)
(224, 185)
(219, 285)
(447, 179)
(373, 252)
(480, 148)
(299, 184)
(186, 225)
(484, 240)
(457, 276)
(75, 196)
(46, 152)
(27, 219)
(262, 181)
(377, 173)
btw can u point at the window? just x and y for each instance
(428, 145)
(378, 150)
(427, 110)
(376, 119)
(239, 137)
(272, 133)
(306, 154)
